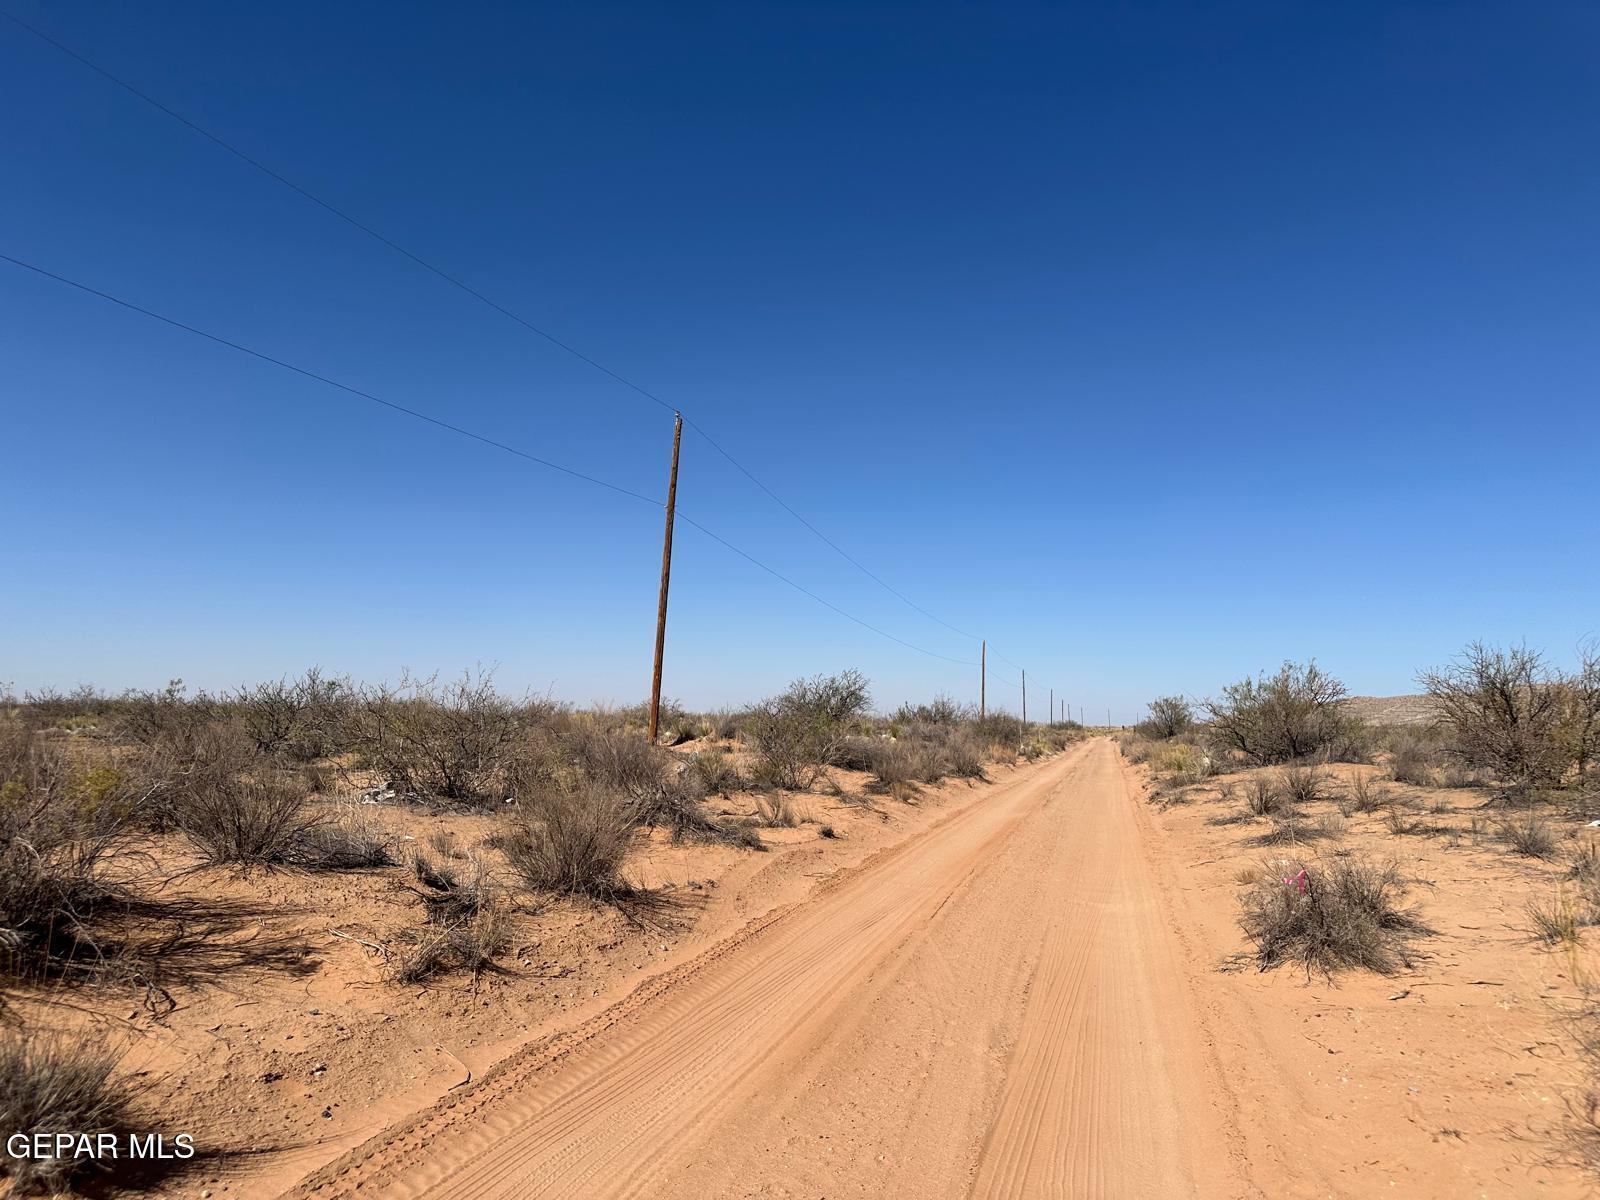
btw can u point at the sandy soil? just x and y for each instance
(1034, 987)
(286, 1046)
(996, 1007)
(1450, 1079)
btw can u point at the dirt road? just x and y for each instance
(996, 1008)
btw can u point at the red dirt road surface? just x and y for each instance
(997, 1008)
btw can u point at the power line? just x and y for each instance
(456, 282)
(467, 433)
(829, 604)
(334, 383)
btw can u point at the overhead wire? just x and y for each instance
(468, 433)
(455, 281)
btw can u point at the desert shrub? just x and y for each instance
(1331, 915)
(1412, 761)
(576, 844)
(941, 710)
(855, 753)
(52, 1084)
(657, 790)
(727, 722)
(1289, 715)
(302, 719)
(898, 765)
(1580, 704)
(964, 755)
(1456, 775)
(58, 838)
(622, 761)
(1264, 797)
(1062, 735)
(714, 773)
(166, 718)
(451, 742)
(1505, 710)
(253, 816)
(1528, 834)
(798, 733)
(1001, 729)
(1135, 747)
(1167, 717)
(1303, 784)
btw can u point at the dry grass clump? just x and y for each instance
(1365, 795)
(1263, 797)
(456, 890)
(776, 811)
(1289, 828)
(1400, 821)
(576, 845)
(467, 943)
(53, 1084)
(1585, 864)
(1528, 834)
(1331, 915)
(1558, 921)
(350, 840)
(1303, 784)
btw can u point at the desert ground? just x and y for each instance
(1039, 979)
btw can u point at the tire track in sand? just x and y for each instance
(995, 1007)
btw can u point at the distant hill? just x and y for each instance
(1392, 710)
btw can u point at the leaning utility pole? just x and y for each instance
(983, 680)
(666, 577)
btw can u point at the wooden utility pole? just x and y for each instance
(666, 578)
(1024, 697)
(1052, 706)
(983, 680)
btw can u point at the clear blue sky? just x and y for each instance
(1158, 342)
